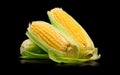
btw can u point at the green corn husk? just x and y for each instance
(29, 50)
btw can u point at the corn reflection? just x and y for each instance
(90, 63)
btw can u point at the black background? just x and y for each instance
(95, 17)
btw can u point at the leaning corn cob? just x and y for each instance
(69, 27)
(52, 41)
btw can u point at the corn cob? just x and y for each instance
(64, 22)
(29, 50)
(51, 40)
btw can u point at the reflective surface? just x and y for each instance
(50, 62)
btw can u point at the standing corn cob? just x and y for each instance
(68, 26)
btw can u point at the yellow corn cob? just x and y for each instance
(49, 35)
(74, 29)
